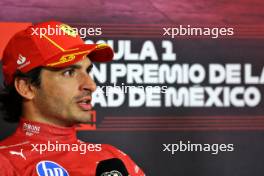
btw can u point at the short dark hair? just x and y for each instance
(11, 100)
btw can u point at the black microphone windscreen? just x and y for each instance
(111, 167)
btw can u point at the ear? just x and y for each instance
(24, 88)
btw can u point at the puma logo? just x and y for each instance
(21, 59)
(18, 153)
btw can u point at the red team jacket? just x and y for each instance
(38, 149)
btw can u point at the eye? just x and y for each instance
(89, 69)
(69, 73)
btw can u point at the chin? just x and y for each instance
(84, 119)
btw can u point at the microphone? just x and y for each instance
(111, 167)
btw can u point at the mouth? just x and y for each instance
(85, 103)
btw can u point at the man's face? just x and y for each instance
(64, 96)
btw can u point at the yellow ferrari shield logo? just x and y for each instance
(68, 30)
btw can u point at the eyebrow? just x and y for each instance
(74, 66)
(88, 69)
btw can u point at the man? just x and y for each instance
(48, 89)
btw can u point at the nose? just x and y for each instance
(87, 83)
